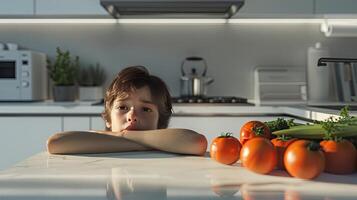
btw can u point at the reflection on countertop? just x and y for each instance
(157, 175)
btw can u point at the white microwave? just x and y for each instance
(23, 75)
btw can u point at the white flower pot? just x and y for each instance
(89, 93)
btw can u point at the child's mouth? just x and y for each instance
(131, 127)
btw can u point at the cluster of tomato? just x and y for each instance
(300, 158)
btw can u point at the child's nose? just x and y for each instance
(132, 117)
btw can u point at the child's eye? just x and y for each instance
(146, 109)
(122, 107)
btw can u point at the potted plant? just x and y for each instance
(63, 74)
(90, 81)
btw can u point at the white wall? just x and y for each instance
(232, 51)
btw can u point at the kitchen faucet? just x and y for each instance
(324, 61)
(345, 84)
(347, 62)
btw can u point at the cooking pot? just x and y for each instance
(194, 83)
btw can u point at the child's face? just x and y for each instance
(136, 112)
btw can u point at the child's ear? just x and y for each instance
(107, 124)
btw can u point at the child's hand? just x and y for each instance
(122, 133)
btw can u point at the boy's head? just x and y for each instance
(137, 100)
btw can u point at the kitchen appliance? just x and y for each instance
(345, 77)
(319, 84)
(207, 100)
(279, 85)
(212, 100)
(23, 75)
(193, 81)
(172, 8)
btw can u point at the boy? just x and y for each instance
(137, 112)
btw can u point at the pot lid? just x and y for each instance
(194, 67)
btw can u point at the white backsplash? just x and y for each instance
(231, 50)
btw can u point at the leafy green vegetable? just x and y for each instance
(333, 125)
(333, 128)
(280, 124)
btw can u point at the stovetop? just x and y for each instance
(212, 99)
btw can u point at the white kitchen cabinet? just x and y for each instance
(76, 123)
(273, 8)
(213, 126)
(16, 7)
(69, 7)
(97, 123)
(22, 137)
(336, 7)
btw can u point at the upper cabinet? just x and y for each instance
(336, 7)
(16, 7)
(250, 9)
(69, 7)
(276, 8)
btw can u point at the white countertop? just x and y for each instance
(157, 175)
(86, 108)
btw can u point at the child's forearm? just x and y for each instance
(90, 142)
(171, 140)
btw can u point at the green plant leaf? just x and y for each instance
(63, 71)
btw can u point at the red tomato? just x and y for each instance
(259, 155)
(304, 159)
(340, 156)
(225, 149)
(281, 144)
(253, 129)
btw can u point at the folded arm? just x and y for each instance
(171, 140)
(183, 141)
(73, 142)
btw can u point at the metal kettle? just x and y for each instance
(193, 83)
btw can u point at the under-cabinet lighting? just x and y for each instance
(341, 21)
(275, 21)
(172, 21)
(176, 21)
(58, 21)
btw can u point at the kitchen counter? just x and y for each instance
(50, 108)
(157, 175)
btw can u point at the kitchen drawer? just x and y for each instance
(273, 8)
(76, 123)
(69, 7)
(97, 123)
(336, 7)
(16, 7)
(22, 137)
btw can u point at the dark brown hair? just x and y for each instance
(136, 77)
